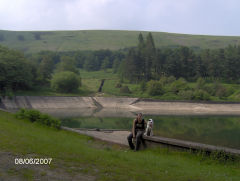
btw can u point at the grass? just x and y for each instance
(111, 161)
(106, 39)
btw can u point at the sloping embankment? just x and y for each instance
(101, 105)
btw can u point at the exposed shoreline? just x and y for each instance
(119, 105)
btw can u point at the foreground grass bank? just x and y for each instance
(108, 162)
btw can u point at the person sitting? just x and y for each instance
(138, 129)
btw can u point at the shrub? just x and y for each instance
(201, 95)
(32, 115)
(171, 79)
(200, 83)
(36, 116)
(155, 88)
(163, 80)
(221, 91)
(125, 89)
(186, 94)
(143, 86)
(65, 82)
(118, 85)
(178, 85)
(210, 89)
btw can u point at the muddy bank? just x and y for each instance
(112, 106)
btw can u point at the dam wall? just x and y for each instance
(104, 105)
(47, 102)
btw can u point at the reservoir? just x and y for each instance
(217, 130)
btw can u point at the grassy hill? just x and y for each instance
(35, 41)
(78, 157)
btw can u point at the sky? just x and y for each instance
(208, 17)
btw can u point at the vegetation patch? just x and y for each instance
(36, 116)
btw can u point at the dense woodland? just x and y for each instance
(144, 64)
(147, 62)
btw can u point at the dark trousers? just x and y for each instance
(139, 139)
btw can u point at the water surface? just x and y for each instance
(214, 130)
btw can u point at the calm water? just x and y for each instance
(214, 130)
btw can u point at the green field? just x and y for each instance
(104, 39)
(76, 154)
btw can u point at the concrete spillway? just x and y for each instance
(120, 106)
(45, 102)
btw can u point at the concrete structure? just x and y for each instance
(120, 137)
(112, 106)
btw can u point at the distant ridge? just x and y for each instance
(35, 41)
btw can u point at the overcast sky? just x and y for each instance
(213, 17)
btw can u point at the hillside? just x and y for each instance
(33, 41)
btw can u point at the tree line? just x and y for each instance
(58, 70)
(138, 64)
(146, 62)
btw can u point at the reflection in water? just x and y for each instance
(215, 130)
(90, 112)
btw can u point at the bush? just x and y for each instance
(178, 85)
(171, 79)
(125, 90)
(200, 83)
(210, 89)
(186, 95)
(32, 115)
(143, 86)
(65, 82)
(155, 88)
(221, 91)
(36, 116)
(201, 95)
(118, 85)
(163, 80)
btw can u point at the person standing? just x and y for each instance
(138, 129)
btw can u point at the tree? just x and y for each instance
(15, 71)
(67, 63)
(65, 82)
(131, 69)
(116, 64)
(91, 63)
(150, 55)
(45, 69)
(155, 88)
(105, 63)
(232, 63)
